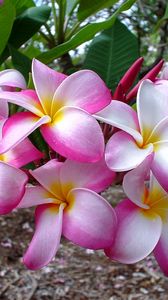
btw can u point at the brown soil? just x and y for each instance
(75, 273)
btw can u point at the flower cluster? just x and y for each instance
(70, 112)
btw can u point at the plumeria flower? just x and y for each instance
(67, 203)
(9, 80)
(13, 180)
(63, 110)
(142, 219)
(142, 133)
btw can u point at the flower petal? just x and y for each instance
(22, 154)
(46, 82)
(164, 72)
(160, 164)
(48, 176)
(12, 78)
(160, 132)
(134, 182)
(89, 221)
(35, 195)
(123, 154)
(161, 249)
(122, 116)
(137, 233)
(2, 122)
(19, 126)
(151, 95)
(155, 190)
(46, 239)
(92, 176)
(71, 135)
(83, 89)
(4, 110)
(12, 187)
(26, 99)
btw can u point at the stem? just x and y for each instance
(72, 31)
(45, 36)
(61, 22)
(49, 32)
(55, 16)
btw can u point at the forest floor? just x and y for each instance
(75, 273)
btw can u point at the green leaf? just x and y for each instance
(21, 6)
(111, 53)
(7, 16)
(28, 23)
(85, 34)
(31, 51)
(88, 8)
(25, 26)
(21, 62)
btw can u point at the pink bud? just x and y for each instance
(150, 75)
(131, 74)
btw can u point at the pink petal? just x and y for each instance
(75, 134)
(46, 239)
(92, 176)
(83, 89)
(89, 221)
(46, 82)
(134, 182)
(160, 132)
(151, 95)
(19, 126)
(35, 195)
(123, 154)
(2, 122)
(48, 176)
(161, 250)
(122, 116)
(164, 72)
(156, 192)
(3, 108)
(12, 78)
(12, 187)
(25, 99)
(160, 164)
(22, 154)
(137, 233)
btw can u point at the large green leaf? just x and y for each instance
(88, 8)
(112, 52)
(25, 26)
(22, 5)
(7, 16)
(85, 34)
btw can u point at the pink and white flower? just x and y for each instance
(142, 133)
(62, 108)
(13, 180)
(9, 80)
(142, 219)
(67, 203)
